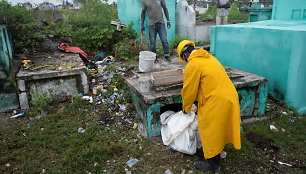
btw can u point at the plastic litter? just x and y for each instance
(7, 164)
(122, 107)
(223, 154)
(135, 125)
(168, 171)
(127, 120)
(286, 164)
(100, 56)
(283, 112)
(273, 128)
(122, 69)
(21, 114)
(81, 130)
(131, 162)
(88, 98)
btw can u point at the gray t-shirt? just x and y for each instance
(222, 11)
(154, 10)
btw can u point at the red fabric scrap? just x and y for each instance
(70, 49)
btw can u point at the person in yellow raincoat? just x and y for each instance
(206, 82)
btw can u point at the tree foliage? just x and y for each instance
(21, 23)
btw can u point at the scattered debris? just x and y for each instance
(131, 162)
(21, 114)
(223, 154)
(122, 107)
(283, 130)
(7, 164)
(81, 130)
(284, 112)
(135, 125)
(88, 98)
(282, 163)
(168, 171)
(273, 128)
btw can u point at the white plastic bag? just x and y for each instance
(179, 131)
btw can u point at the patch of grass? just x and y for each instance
(53, 143)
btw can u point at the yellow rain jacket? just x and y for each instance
(206, 81)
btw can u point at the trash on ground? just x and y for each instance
(127, 120)
(223, 154)
(135, 125)
(273, 128)
(81, 130)
(168, 171)
(100, 56)
(283, 112)
(282, 163)
(122, 107)
(131, 162)
(88, 98)
(21, 114)
(7, 164)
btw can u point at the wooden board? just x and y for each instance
(170, 77)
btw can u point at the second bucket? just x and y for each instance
(146, 61)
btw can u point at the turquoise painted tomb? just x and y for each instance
(274, 49)
(8, 96)
(251, 88)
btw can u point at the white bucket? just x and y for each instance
(146, 61)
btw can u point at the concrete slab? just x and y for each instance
(52, 74)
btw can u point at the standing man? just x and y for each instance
(156, 24)
(222, 12)
(206, 81)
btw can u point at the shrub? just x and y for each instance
(21, 23)
(234, 13)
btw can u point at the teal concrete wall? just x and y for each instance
(5, 48)
(273, 49)
(289, 10)
(257, 13)
(130, 11)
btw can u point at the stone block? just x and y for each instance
(23, 100)
(21, 85)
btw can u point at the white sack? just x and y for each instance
(179, 131)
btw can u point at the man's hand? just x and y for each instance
(168, 24)
(142, 29)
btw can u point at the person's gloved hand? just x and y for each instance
(194, 108)
(168, 24)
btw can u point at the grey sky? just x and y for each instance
(55, 2)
